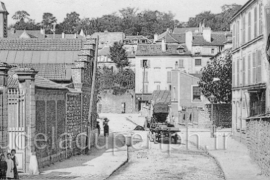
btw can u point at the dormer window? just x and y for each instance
(180, 50)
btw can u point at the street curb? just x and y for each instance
(206, 151)
(121, 165)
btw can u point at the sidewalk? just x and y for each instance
(99, 165)
(234, 158)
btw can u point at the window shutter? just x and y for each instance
(254, 68)
(238, 73)
(259, 67)
(146, 76)
(244, 71)
(255, 22)
(233, 38)
(141, 63)
(181, 63)
(249, 26)
(148, 63)
(233, 74)
(169, 76)
(260, 19)
(243, 30)
(249, 70)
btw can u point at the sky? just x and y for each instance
(183, 9)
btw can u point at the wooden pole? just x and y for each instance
(92, 97)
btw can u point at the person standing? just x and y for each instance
(10, 167)
(15, 161)
(98, 127)
(106, 129)
(3, 167)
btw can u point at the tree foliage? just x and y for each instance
(21, 16)
(221, 68)
(71, 23)
(47, 20)
(119, 56)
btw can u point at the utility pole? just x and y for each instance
(88, 140)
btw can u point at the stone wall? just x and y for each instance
(258, 142)
(110, 103)
(222, 113)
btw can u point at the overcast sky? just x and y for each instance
(183, 9)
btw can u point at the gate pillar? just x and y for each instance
(4, 68)
(26, 78)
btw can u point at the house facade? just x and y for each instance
(250, 76)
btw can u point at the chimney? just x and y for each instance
(155, 37)
(82, 33)
(207, 34)
(189, 39)
(63, 35)
(163, 45)
(3, 20)
(75, 36)
(42, 31)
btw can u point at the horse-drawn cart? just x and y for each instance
(159, 127)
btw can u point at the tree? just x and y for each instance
(47, 20)
(221, 68)
(71, 23)
(29, 25)
(21, 16)
(119, 56)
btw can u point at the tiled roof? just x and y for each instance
(105, 51)
(161, 97)
(39, 82)
(156, 50)
(135, 37)
(217, 39)
(184, 30)
(3, 7)
(41, 44)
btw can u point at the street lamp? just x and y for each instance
(212, 99)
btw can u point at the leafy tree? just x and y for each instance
(21, 16)
(221, 68)
(29, 25)
(47, 20)
(119, 56)
(71, 23)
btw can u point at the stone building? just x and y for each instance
(250, 76)
(45, 99)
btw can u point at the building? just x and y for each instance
(107, 39)
(45, 93)
(250, 76)
(153, 66)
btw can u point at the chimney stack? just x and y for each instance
(207, 34)
(75, 36)
(63, 35)
(155, 37)
(163, 45)
(189, 39)
(42, 31)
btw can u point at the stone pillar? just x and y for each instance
(4, 107)
(26, 78)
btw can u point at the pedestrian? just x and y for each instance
(3, 167)
(106, 129)
(98, 127)
(15, 161)
(10, 167)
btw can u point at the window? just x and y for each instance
(158, 86)
(237, 34)
(170, 87)
(244, 70)
(233, 74)
(258, 68)
(254, 68)
(249, 70)
(169, 76)
(244, 30)
(145, 90)
(255, 22)
(249, 26)
(233, 37)
(145, 63)
(181, 63)
(260, 20)
(196, 93)
(212, 51)
(198, 62)
(238, 72)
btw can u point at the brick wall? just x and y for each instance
(110, 103)
(258, 143)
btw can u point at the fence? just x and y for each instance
(258, 142)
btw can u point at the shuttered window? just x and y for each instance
(181, 63)
(243, 30)
(169, 76)
(233, 37)
(237, 34)
(249, 26)
(255, 22)
(249, 70)
(260, 20)
(244, 71)
(259, 67)
(254, 68)
(233, 74)
(196, 93)
(238, 73)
